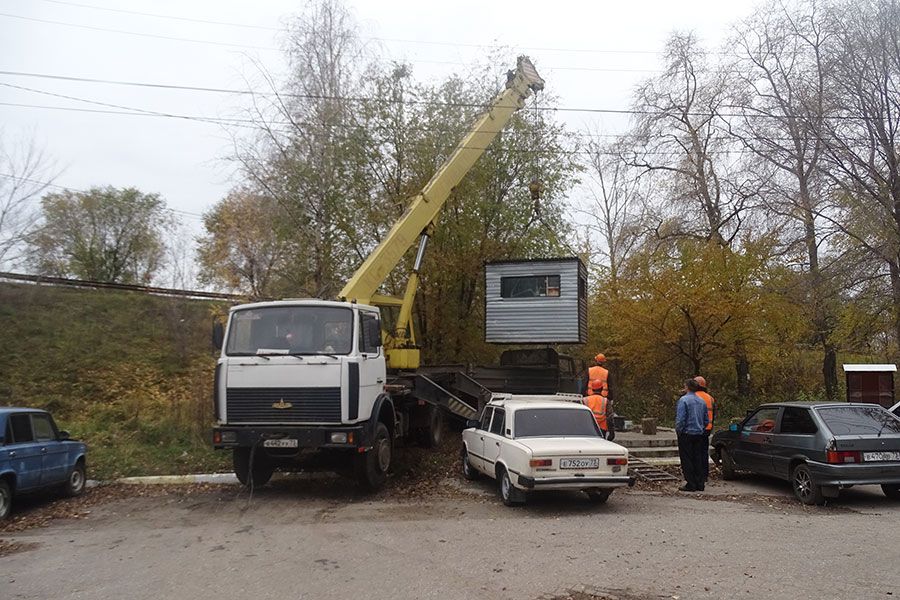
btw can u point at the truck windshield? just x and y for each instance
(290, 330)
(555, 422)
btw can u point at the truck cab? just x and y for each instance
(299, 374)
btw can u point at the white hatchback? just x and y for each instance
(543, 443)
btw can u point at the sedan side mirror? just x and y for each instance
(472, 423)
(64, 435)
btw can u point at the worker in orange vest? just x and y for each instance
(599, 374)
(704, 395)
(599, 405)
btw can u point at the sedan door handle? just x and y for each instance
(12, 454)
(379, 380)
(43, 451)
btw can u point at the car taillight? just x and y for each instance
(839, 457)
(540, 462)
(617, 461)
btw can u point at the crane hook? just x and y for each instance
(536, 187)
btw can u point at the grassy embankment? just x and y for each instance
(129, 373)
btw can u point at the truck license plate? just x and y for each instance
(280, 443)
(878, 456)
(579, 463)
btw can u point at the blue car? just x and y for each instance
(36, 456)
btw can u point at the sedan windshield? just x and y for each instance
(290, 330)
(859, 420)
(555, 422)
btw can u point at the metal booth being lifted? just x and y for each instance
(541, 301)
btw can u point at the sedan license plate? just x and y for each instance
(579, 463)
(280, 443)
(880, 456)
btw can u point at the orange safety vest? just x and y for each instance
(598, 379)
(599, 405)
(710, 407)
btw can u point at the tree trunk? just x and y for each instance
(895, 292)
(829, 372)
(742, 368)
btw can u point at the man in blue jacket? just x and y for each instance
(691, 419)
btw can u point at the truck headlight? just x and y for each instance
(339, 438)
(229, 437)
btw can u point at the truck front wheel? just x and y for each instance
(262, 467)
(372, 467)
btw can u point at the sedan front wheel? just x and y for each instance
(727, 465)
(468, 470)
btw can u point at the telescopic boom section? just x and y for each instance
(425, 206)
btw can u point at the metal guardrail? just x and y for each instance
(146, 289)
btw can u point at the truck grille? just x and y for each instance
(308, 405)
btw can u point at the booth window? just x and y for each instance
(535, 286)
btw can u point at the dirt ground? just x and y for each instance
(430, 534)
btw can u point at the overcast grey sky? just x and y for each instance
(592, 54)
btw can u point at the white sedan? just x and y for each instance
(543, 443)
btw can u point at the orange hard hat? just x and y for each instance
(600, 357)
(700, 380)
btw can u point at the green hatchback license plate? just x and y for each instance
(880, 456)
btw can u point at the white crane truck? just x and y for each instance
(296, 375)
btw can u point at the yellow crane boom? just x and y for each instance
(417, 221)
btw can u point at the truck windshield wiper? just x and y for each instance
(302, 354)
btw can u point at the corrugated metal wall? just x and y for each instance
(536, 320)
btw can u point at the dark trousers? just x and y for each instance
(706, 457)
(691, 451)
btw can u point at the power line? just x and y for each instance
(170, 17)
(374, 38)
(272, 48)
(363, 99)
(68, 188)
(137, 33)
(244, 123)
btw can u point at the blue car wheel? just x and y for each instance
(5, 500)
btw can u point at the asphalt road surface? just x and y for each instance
(295, 541)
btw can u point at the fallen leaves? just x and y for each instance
(39, 511)
(8, 547)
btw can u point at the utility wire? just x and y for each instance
(387, 100)
(259, 127)
(137, 33)
(374, 38)
(274, 49)
(71, 189)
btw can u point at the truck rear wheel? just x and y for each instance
(262, 467)
(432, 434)
(372, 467)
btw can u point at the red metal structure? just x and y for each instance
(871, 383)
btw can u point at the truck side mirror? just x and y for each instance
(218, 335)
(472, 423)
